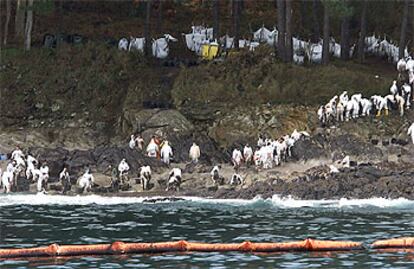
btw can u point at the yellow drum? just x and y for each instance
(209, 51)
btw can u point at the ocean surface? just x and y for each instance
(35, 220)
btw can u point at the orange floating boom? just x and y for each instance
(178, 246)
(181, 246)
(403, 242)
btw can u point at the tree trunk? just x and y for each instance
(303, 15)
(19, 19)
(281, 28)
(159, 18)
(236, 22)
(289, 48)
(29, 25)
(60, 22)
(403, 35)
(326, 37)
(6, 25)
(362, 33)
(345, 38)
(316, 28)
(147, 29)
(411, 44)
(216, 18)
(412, 27)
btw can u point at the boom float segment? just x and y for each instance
(117, 248)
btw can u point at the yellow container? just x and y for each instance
(209, 51)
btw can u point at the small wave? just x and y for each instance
(289, 202)
(44, 199)
(377, 202)
(275, 201)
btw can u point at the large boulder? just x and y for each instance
(79, 159)
(173, 126)
(348, 144)
(244, 123)
(210, 152)
(151, 121)
(309, 148)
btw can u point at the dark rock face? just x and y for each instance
(338, 145)
(264, 189)
(105, 156)
(309, 148)
(55, 158)
(79, 159)
(365, 181)
(210, 153)
(351, 145)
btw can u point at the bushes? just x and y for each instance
(256, 78)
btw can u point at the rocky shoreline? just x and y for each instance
(379, 168)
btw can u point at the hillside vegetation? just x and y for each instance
(101, 80)
(257, 78)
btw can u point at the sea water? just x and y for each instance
(37, 220)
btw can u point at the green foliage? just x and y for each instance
(43, 7)
(91, 77)
(339, 8)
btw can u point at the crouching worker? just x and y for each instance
(123, 169)
(215, 176)
(236, 179)
(65, 180)
(114, 178)
(174, 180)
(85, 182)
(43, 179)
(145, 176)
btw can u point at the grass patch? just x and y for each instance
(257, 78)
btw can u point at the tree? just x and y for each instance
(29, 25)
(59, 9)
(326, 34)
(288, 47)
(6, 25)
(19, 19)
(281, 27)
(345, 38)
(216, 18)
(411, 44)
(159, 18)
(345, 11)
(363, 32)
(236, 22)
(41, 7)
(342, 10)
(403, 35)
(412, 27)
(304, 19)
(147, 26)
(316, 28)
